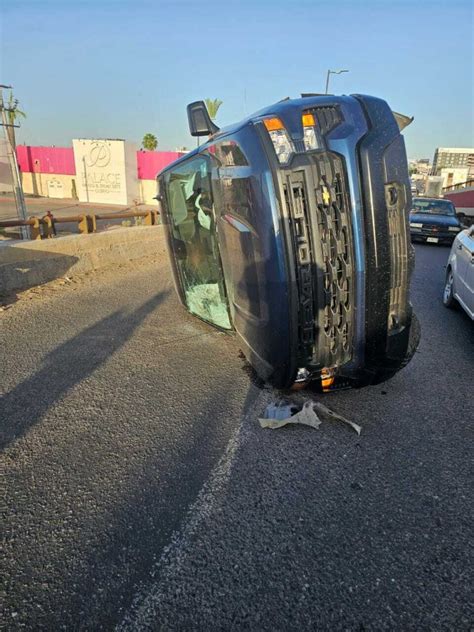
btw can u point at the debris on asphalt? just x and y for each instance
(324, 410)
(280, 410)
(305, 416)
(279, 414)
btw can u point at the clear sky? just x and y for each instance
(120, 68)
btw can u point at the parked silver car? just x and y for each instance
(459, 286)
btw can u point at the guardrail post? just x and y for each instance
(49, 229)
(83, 225)
(35, 228)
(87, 224)
(150, 218)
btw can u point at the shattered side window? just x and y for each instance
(193, 237)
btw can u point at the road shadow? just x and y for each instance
(154, 508)
(67, 366)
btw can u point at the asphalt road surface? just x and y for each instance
(141, 493)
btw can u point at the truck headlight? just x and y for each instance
(281, 140)
(310, 137)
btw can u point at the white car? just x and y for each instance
(459, 286)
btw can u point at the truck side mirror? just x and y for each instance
(200, 123)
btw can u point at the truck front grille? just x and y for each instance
(319, 210)
(328, 117)
(297, 202)
(335, 236)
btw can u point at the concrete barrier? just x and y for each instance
(24, 264)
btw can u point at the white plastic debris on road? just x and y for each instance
(311, 414)
(305, 416)
(324, 411)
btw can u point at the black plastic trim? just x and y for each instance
(381, 173)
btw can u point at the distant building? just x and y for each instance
(419, 169)
(453, 158)
(454, 175)
(422, 166)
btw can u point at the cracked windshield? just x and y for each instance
(194, 242)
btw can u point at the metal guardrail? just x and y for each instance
(45, 227)
(459, 185)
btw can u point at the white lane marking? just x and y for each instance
(142, 613)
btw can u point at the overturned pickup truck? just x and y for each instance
(291, 229)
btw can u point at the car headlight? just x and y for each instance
(310, 137)
(455, 229)
(280, 138)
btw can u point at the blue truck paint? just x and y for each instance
(311, 288)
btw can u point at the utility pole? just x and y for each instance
(332, 72)
(17, 188)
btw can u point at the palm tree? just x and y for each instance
(13, 113)
(150, 142)
(213, 106)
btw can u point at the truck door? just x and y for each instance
(192, 239)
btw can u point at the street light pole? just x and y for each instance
(332, 72)
(17, 188)
(327, 82)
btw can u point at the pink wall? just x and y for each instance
(149, 163)
(46, 159)
(61, 160)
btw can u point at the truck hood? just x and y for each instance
(433, 220)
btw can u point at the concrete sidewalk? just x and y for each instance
(24, 264)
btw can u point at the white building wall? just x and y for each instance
(106, 171)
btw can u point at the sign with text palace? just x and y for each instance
(106, 171)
